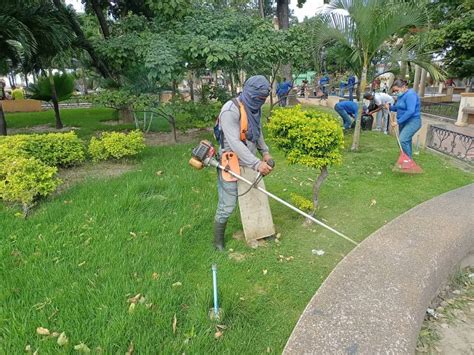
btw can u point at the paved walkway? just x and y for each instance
(374, 301)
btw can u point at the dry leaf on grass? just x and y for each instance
(155, 276)
(54, 334)
(175, 322)
(83, 348)
(133, 234)
(265, 271)
(177, 284)
(373, 203)
(181, 230)
(28, 348)
(130, 349)
(62, 339)
(159, 172)
(218, 334)
(131, 308)
(42, 331)
(135, 298)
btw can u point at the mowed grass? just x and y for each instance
(74, 263)
(88, 121)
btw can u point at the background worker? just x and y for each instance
(380, 100)
(407, 108)
(351, 83)
(254, 94)
(282, 91)
(17, 93)
(348, 112)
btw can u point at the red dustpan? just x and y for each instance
(405, 164)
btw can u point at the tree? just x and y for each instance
(308, 138)
(32, 34)
(364, 26)
(452, 35)
(53, 88)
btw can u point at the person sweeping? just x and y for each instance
(408, 122)
(239, 133)
(407, 108)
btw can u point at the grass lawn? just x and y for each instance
(74, 263)
(88, 121)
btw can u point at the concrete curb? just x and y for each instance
(375, 300)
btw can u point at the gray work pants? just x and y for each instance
(227, 192)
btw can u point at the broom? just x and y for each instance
(404, 163)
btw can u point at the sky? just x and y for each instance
(308, 9)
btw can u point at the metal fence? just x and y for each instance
(443, 109)
(452, 143)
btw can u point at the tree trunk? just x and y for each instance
(422, 87)
(172, 123)
(191, 85)
(232, 85)
(317, 186)
(100, 16)
(362, 86)
(261, 9)
(3, 122)
(284, 24)
(54, 99)
(416, 80)
(125, 115)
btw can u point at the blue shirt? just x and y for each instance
(350, 107)
(283, 88)
(324, 80)
(407, 107)
(351, 81)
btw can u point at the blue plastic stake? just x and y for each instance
(214, 285)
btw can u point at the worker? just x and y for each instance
(380, 100)
(348, 112)
(407, 108)
(254, 94)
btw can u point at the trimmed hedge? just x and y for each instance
(116, 145)
(53, 149)
(25, 179)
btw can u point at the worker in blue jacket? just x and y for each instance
(407, 108)
(346, 109)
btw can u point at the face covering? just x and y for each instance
(253, 96)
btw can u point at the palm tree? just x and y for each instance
(365, 26)
(32, 35)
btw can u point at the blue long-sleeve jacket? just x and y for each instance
(407, 107)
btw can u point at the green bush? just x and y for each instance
(310, 138)
(53, 149)
(194, 114)
(116, 145)
(301, 202)
(25, 179)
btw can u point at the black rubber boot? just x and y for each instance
(219, 231)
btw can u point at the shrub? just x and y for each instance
(309, 138)
(25, 179)
(301, 202)
(194, 114)
(116, 145)
(53, 149)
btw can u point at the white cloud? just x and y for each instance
(77, 4)
(308, 9)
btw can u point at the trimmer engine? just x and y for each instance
(202, 154)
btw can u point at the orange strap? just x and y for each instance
(243, 123)
(230, 161)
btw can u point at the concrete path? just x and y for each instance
(374, 301)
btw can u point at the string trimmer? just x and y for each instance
(204, 156)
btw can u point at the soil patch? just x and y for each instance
(166, 138)
(107, 169)
(43, 128)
